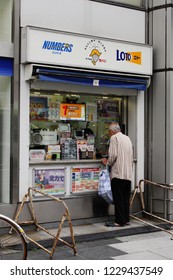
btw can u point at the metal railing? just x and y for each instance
(34, 221)
(138, 189)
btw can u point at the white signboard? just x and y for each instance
(55, 48)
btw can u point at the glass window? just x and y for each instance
(139, 3)
(5, 107)
(55, 118)
(131, 2)
(6, 7)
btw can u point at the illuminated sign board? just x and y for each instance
(61, 49)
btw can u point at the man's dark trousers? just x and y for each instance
(121, 190)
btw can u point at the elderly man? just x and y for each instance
(120, 160)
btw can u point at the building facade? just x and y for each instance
(159, 105)
(50, 79)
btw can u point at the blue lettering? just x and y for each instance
(57, 46)
(121, 56)
(60, 47)
(45, 45)
(54, 46)
(63, 47)
(118, 57)
(70, 48)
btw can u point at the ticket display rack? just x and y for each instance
(28, 197)
(138, 189)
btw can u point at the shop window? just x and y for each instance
(5, 103)
(71, 126)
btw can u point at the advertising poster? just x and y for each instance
(38, 108)
(85, 179)
(72, 111)
(54, 108)
(50, 180)
(53, 111)
(91, 112)
(108, 109)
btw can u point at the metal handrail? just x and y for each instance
(138, 189)
(34, 221)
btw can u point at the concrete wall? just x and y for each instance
(85, 17)
(160, 93)
(160, 129)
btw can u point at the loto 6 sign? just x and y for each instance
(134, 57)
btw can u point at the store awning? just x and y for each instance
(91, 78)
(6, 66)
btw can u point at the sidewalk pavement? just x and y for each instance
(134, 242)
(95, 241)
(97, 230)
(151, 246)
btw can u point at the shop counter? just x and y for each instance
(62, 162)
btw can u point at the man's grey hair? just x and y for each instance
(114, 127)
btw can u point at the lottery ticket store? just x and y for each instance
(72, 88)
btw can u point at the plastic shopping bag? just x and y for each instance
(104, 188)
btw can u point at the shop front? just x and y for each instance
(72, 88)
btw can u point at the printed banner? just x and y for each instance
(50, 180)
(85, 179)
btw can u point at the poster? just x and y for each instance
(70, 111)
(38, 108)
(50, 180)
(91, 112)
(54, 108)
(108, 109)
(85, 179)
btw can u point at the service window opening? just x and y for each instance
(65, 126)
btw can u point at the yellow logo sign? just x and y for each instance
(133, 57)
(96, 52)
(136, 57)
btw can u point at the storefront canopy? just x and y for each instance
(6, 66)
(91, 78)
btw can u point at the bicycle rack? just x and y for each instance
(34, 221)
(139, 190)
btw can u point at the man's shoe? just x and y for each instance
(112, 224)
(118, 225)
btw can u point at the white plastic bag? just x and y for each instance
(104, 188)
